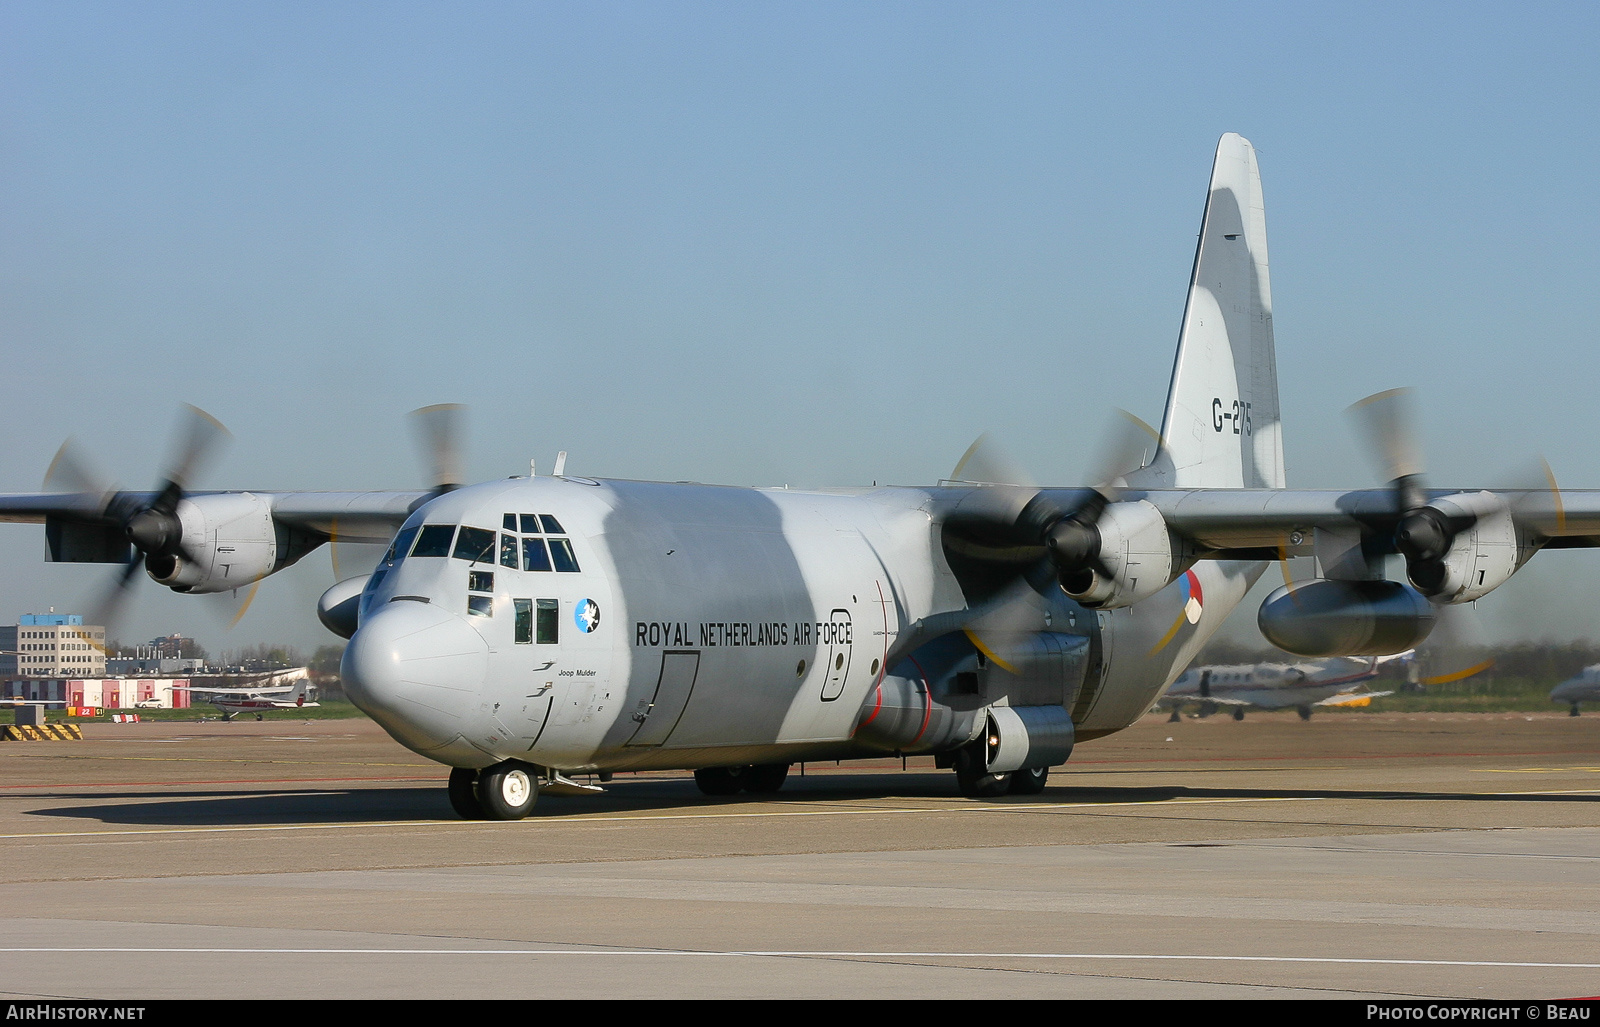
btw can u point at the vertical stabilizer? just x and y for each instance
(1221, 425)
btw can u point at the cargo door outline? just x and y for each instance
(836, 666)
(657, 717)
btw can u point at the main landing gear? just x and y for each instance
(1304, 711)
(505, 791)
(761, 779)
(976, 783)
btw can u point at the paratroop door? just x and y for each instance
(658, 716)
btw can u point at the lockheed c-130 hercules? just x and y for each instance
(525, 630)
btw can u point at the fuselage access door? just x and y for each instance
(658, 715)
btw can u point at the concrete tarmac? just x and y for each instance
(1357, 855)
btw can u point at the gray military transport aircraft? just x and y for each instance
(524, 630)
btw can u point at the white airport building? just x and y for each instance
(52, 645)
(57, 658)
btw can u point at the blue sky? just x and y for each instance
(821, 244)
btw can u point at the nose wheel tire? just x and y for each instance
(464, 795)
(507, 791)
(1238, 713)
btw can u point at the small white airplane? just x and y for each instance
(522, 630)
(1277, 686)
(296, 693)
(1584, 687)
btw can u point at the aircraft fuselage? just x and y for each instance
(619, 625)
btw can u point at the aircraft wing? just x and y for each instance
(1228, 520)
(232, 691)
(1178, 700)
(1351, 698)
(1223, 521)
(351, 516)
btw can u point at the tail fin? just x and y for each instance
(1221, 426)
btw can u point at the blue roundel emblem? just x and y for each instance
(587, 615)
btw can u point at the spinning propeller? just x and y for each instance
(1068, 538)
(1423, 534)
(151, 526)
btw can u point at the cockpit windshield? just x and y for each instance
(434, 540)
(476, 545)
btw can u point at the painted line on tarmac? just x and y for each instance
(793, 953)
(1538, 770)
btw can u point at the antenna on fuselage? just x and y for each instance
(561, 464)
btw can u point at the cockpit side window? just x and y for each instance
(434, 540)
(561, 555)
(547, 622)
(476, 545)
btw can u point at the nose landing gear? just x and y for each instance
(505, 791)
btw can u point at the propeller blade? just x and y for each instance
(438, 431)
(986, 462)
(108, 606)
(71, 471)
(1456, 649)
(1123, 445)
(198, 440)
(1387, 423)
(1555, 495)
(1539, 495)
(1013, 615)
(249, 597)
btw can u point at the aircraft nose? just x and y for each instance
(415, 668)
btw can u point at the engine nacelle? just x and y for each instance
(232, 540)
(1320, 617)
(1138, 551)
(1480, 558)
